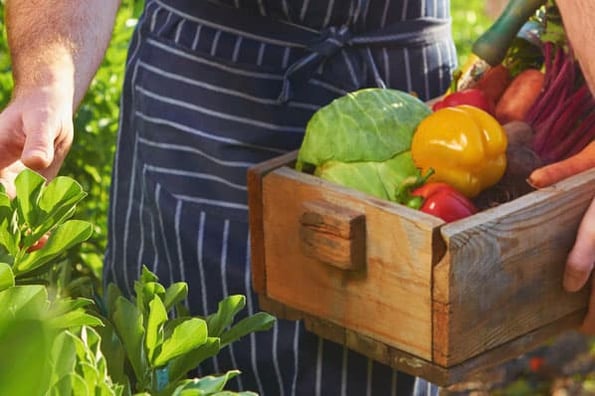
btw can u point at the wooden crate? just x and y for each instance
(436, 300)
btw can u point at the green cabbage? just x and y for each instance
(362, 140)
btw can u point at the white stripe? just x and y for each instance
(352, 73)
(393, 383)
(236, 48)
(304, 10)
(261, 8)
(202, 271)
(319, 353)
(275, 341)
(251, 311)
(369, 377)
(426, 71)
(154, 19)
(179, 31)
(344, 371)
(214, 202)
(407, 70)
(329, 12)
(198, 59)
(440, 69)
(141, 224)
(193, 150)
(161, 121)
(386, 64)
(181, 262)
(126, 236)
(404, 11)
(196, 175)
(260, 55)
(228, 29)
(155, 266)
(296, 353)
(165, 24)
(285, 61)
(215, 42)
(384, 13)
(162, 229)
(225, 290)
(196, 36)
(218, 114)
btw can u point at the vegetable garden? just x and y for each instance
(60, 314)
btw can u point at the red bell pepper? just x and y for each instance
(444, 201)
(471, 96)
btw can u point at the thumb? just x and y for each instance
(38, 150)
(582, 256)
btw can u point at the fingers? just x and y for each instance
(40, 132)
(581, 258)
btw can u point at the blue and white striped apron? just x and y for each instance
(213, 87)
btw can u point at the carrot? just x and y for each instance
(520, 95)
(494, 82)
(554, 172)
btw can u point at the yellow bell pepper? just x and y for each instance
(464, 145)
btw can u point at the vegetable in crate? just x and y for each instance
(464, 145)
(362, 140)
(471, 96)
(444, 201)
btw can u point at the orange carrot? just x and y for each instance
(554, 172)
(520, 95)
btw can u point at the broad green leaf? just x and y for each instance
(79, 386)
(147, 276)
(174, 294)
(379, 179)
(29, 301)
(57, 203)
(6, 276)
(63, 357)
(226, 311)
(128, 322)
(74, 318)
(371, 124)
(25, 363)
(187, 336)
(180, 366)
(260, 321)
(62, 238)
(145, 292)
(7, 232)
(157, 317)
(28, 186)
(114, 353)
(208, 384)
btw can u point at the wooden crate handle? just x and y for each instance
(334, 235)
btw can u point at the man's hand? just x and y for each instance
(36, 132)
(579, 265)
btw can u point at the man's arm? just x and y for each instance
(56, 47)
(578, 17)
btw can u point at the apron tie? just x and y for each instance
(414, 32)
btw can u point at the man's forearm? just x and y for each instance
(58, 42)
(579, 23)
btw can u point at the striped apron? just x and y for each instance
(213, 87)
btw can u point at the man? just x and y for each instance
(213, 87)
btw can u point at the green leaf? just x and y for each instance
(207, 385)
(6, 276)
(371, 124)
(379, 179)
(174, 294)
(128, 322)
(260, 321)
(25, 363)
(74, 318)
(180, 366)
(63, 357)
(8, 233)
(58, 202)
(157, 317)
(28, 186)
(30, 301)
(187, 336)
(226, 311)
(62, 238)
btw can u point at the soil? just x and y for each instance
(563, 367)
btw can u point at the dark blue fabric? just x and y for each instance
(200, 105)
